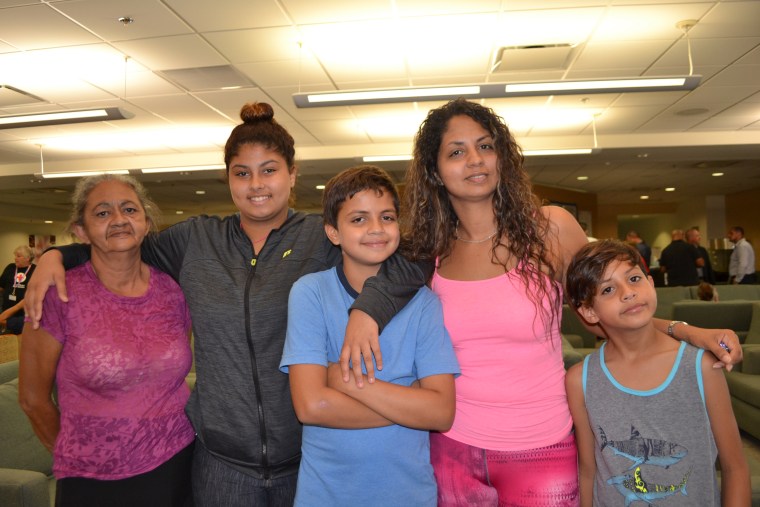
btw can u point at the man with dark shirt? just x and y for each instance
(704, 267)
(679, 261)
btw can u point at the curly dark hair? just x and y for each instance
(429, 226)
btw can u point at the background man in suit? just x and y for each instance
(704, 267)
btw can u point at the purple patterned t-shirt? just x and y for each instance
(120, 377)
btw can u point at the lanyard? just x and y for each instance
(19, 278)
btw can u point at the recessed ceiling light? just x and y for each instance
(582, 178)
(644, 197)
(320, 187)
(200, 192)
(48, 221)
(717, 174)
(670, 189)
(179, 212)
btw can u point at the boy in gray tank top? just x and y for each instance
(651, 414)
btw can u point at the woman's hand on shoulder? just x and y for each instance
(565, 238)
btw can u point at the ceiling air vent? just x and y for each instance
(200, 79)
(533, 57)
(10, 96)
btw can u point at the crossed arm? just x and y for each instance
(321, 398)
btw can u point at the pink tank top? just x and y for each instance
(511, 393)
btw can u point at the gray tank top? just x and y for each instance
(655, 446)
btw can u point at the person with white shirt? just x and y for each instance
(741, 267)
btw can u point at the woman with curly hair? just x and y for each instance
(500, 266)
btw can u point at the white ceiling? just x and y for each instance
(75, 54)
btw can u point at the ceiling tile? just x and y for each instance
(305, 12)
(177, 52)
(259, 45)
(205, 16)
(51, 29)
(151, 18)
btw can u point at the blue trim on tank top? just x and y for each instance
(700, 380)
(636, 392)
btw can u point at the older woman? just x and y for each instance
(118, 352)
(13, 284)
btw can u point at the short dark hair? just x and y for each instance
(587, 268)
(350, 182)
(739, 229)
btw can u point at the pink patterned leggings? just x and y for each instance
(470, 476)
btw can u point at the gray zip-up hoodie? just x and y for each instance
(241, 407)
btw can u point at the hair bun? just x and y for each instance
(256, 111)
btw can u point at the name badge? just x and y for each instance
(11, 297)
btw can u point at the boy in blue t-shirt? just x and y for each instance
(370, 445)
(651, 413)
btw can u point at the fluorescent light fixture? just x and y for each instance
(179, 169)
(80, 174)
(385, 96)
(495, 90)
(568, 151)
(61, 117)
(386, 158)
(638, 84)
(527, 153)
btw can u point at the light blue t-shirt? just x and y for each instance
(379, 466)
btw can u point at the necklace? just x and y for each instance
(473, 241)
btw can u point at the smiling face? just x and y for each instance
(467, 161)
(625, 298)
(367, 232)
(260, 183)
(113, 219)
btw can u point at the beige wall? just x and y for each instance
(584, 201)
(743, 208)
(13, 234)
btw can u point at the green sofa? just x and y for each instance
(668, 296)
(744, 380)
(26, 476)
